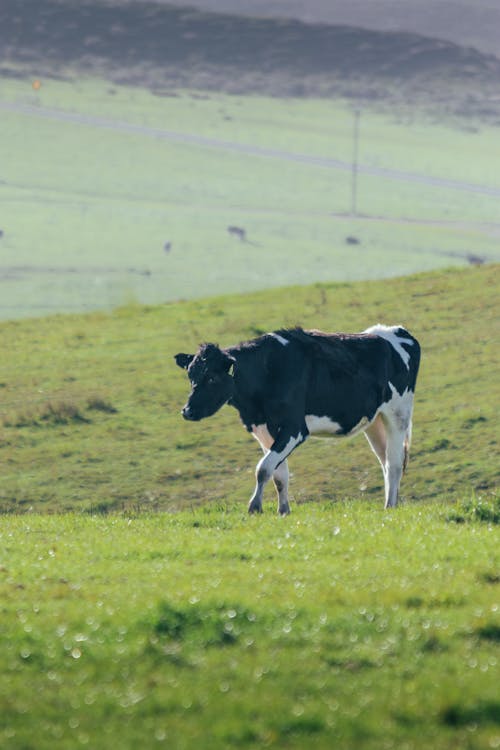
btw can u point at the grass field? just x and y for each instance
(340, 626)
(88, 207)
(343, 626)
(141, 606)
(90, 404)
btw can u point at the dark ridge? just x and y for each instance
(163, 46)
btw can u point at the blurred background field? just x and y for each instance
(89, 203)
(121, 174)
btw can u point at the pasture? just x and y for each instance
(343, 626)
(141, 606)
(97, 177)
(90, 405)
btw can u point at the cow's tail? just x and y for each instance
(406, 445)
(413, 367)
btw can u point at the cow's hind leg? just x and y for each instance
(397, 416)
(377, 437)
(397, 428)
(388, 438)
(394, 465)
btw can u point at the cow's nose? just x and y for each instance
(186, 413)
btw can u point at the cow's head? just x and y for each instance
(211, 383)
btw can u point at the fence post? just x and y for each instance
(354, 170)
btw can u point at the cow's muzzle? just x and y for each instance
(188, 414)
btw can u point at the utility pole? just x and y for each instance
(354, 171)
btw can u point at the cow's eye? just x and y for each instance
(211, 381)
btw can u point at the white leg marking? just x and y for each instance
(266, 468)
(281, 474)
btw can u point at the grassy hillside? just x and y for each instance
(90, 404)
(342, 626)
(89, 202)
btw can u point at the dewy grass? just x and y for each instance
(209, 628)
(477, 508)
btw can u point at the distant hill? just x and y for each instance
(162, 46)
(471, 24)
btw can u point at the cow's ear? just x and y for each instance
(184, 360)
(228, 363)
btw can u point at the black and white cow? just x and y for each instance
(293, 383)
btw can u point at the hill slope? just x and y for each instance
(89, 405)
(471, 25)
(165, 46)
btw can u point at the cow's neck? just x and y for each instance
(248, 379)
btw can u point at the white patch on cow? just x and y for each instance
(322, 426)
(399, 408)
(262, 434)
(279, 338)
(292, 443)
(266, 468)
(270, 462)
(389, 333)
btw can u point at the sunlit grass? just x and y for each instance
(342, 625)
(89, 405)
(157, 612)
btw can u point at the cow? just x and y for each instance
(292, 383)
(238, 232)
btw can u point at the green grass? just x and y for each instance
(89, 405)
(87, 210)
(343, 626)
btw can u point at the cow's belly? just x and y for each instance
(322, 427)
(326, 427)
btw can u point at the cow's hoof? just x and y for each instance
(254, 509)
(285, 511)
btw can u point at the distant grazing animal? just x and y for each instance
(292, 383)
(237, 232)
(167, 247)
(475, 260)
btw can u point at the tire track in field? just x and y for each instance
(247, 149)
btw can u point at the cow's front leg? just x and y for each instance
(267, 466)
(280, 479)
